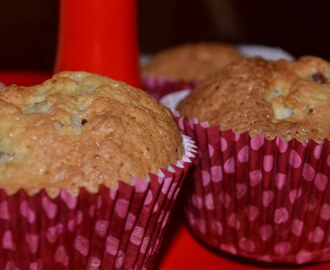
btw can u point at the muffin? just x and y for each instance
(274, 98)
(90, 169)
(260, 187)
(185, 66)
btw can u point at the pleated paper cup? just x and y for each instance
(119, 228)
(267, 200)
(159, 87)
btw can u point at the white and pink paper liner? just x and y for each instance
(118, 228)
(262, 199)
(159, 87)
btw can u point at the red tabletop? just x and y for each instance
(22, 77)
(182, 251)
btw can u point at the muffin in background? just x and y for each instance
(261, 182)
(90, 169)
(185, 66)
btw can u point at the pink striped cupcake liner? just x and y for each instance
(119, 228)
(261, 199)
(159, 87)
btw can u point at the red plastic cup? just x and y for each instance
(101, 37)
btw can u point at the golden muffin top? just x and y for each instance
(81, 130)
(290, 99)
(191, 62)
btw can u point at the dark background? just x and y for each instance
(28, 29)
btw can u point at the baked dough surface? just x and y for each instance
(82, 130)
(191, 62)
(290, 99)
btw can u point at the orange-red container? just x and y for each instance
(99, 36)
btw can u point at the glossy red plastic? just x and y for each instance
(99, 36)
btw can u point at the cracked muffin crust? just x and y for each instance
(191, 62)
(290, 99)
(82, 130)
